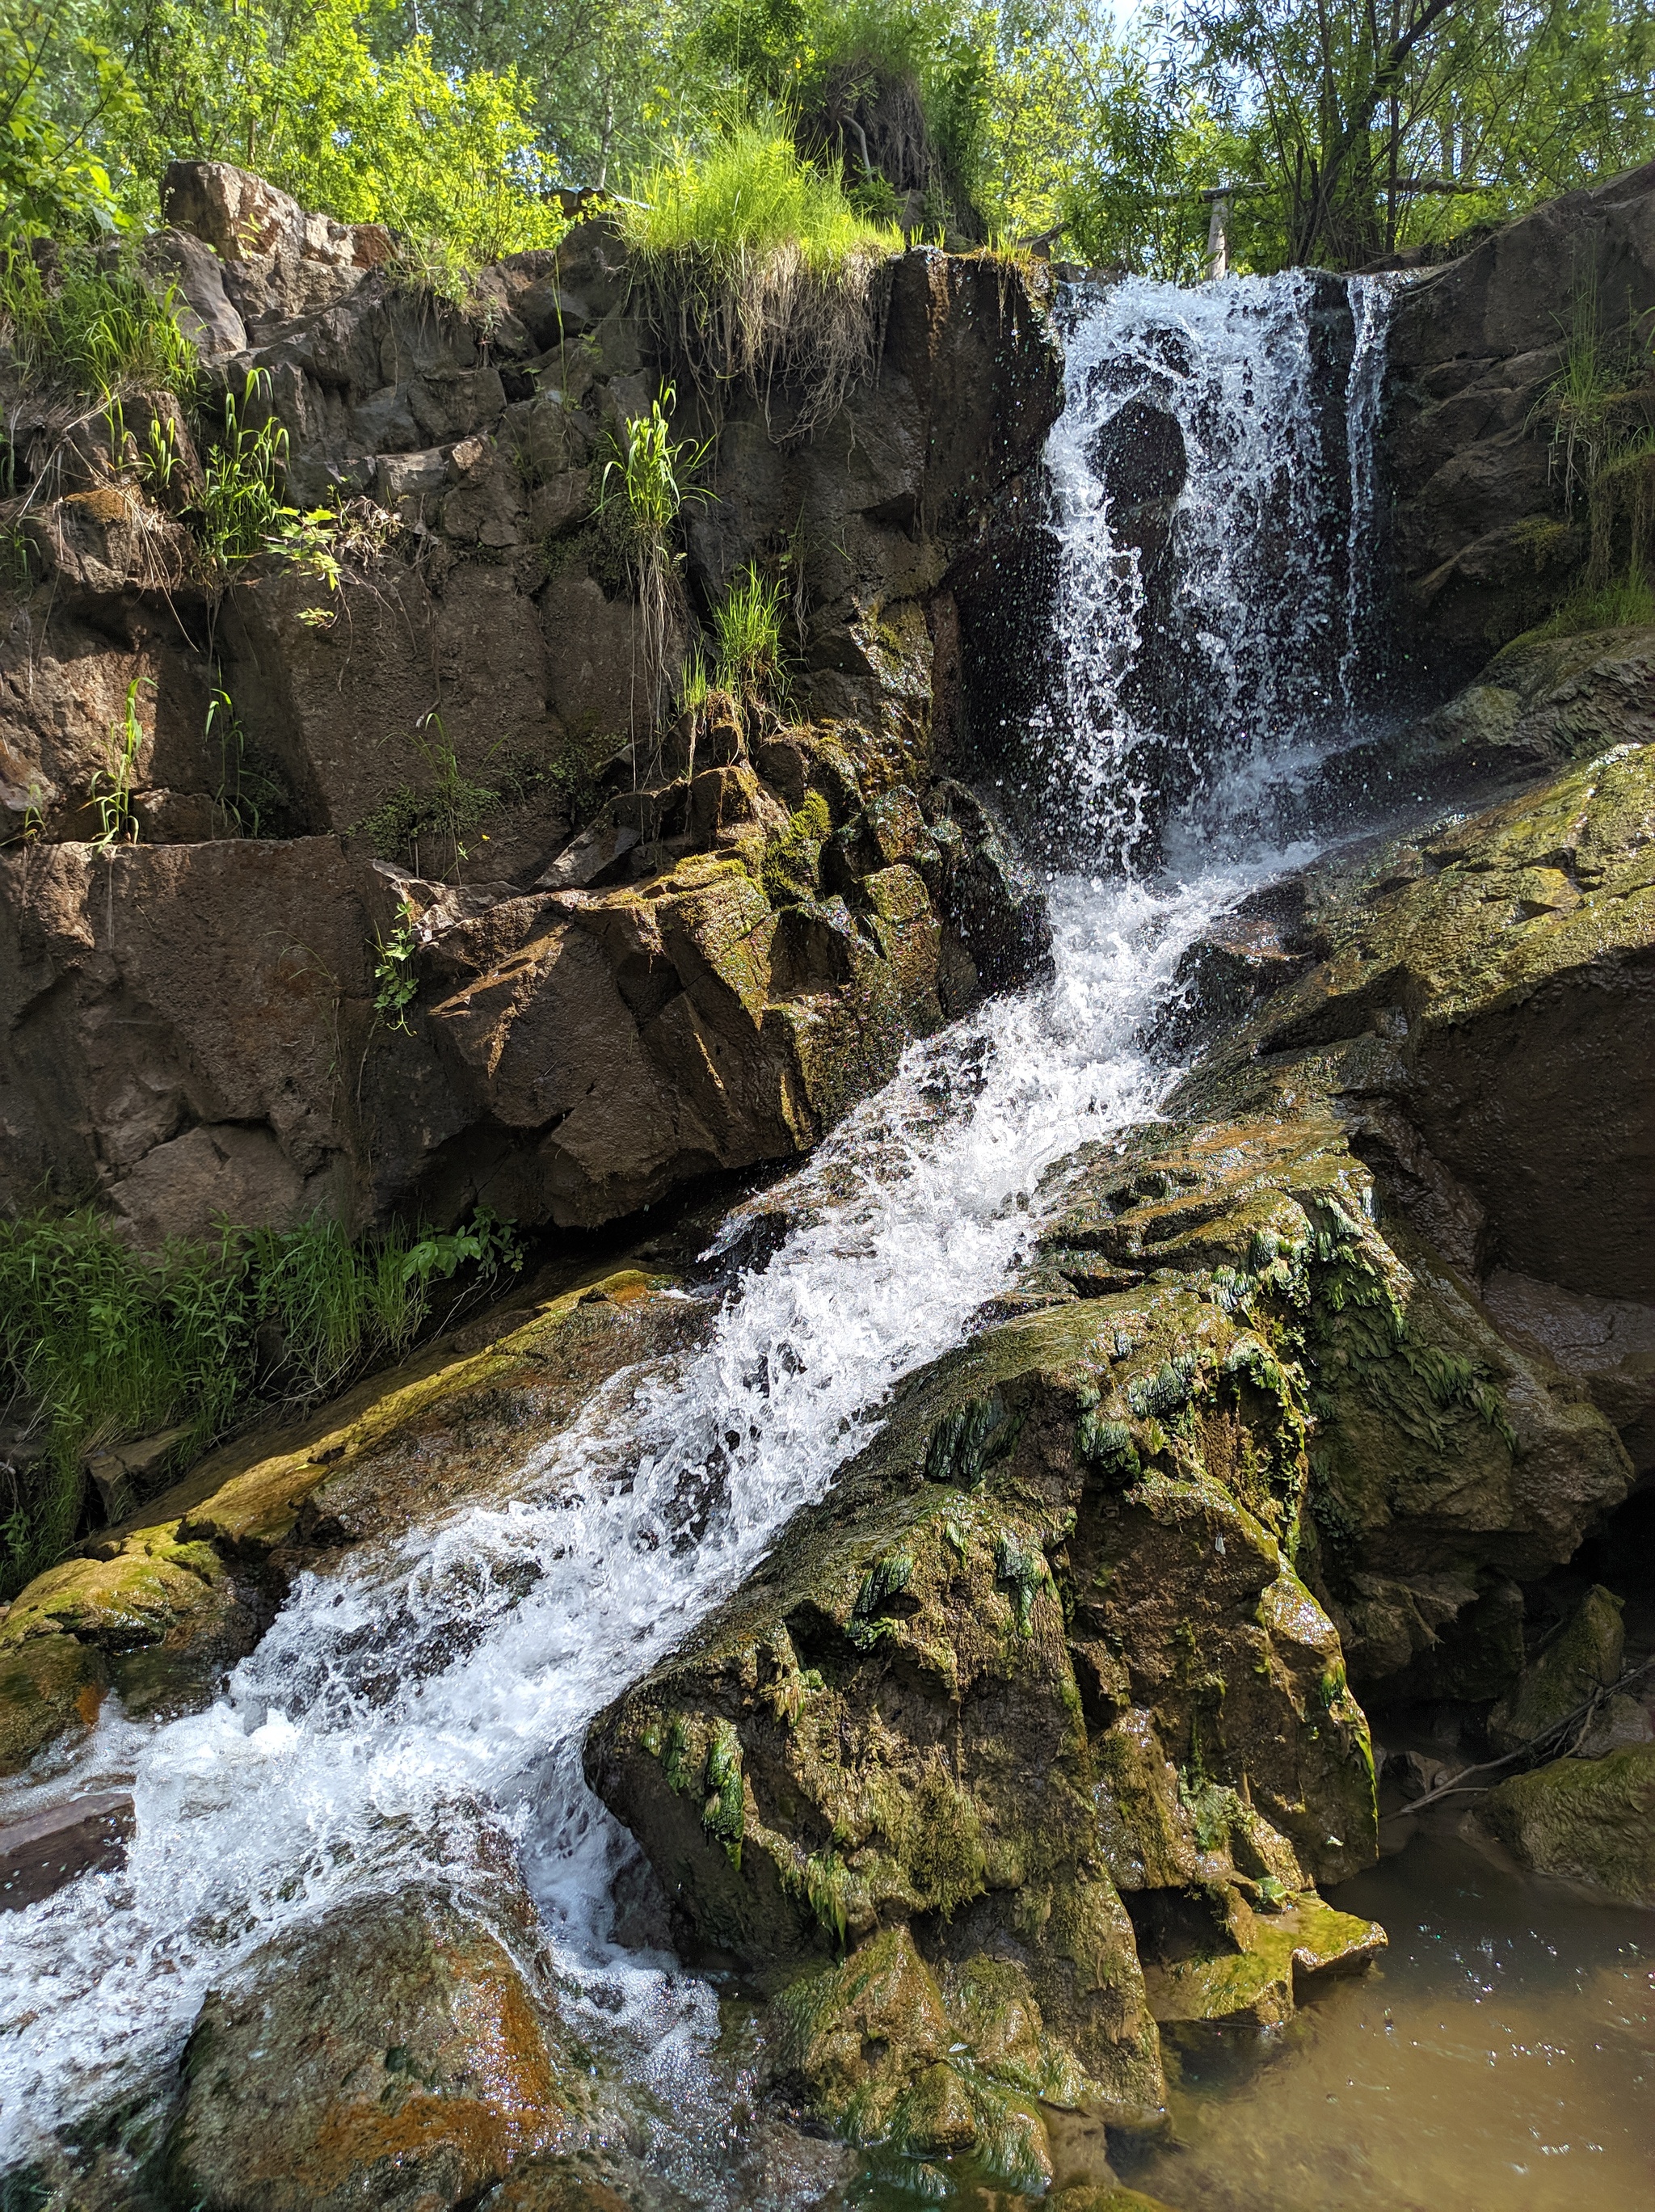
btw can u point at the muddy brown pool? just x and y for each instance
(1500, 2058)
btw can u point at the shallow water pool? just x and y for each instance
(1500, 2058)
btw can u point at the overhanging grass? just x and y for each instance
(748, 197)
(100, 1345)
(760, 269)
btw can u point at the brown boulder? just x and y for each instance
(393, 2053)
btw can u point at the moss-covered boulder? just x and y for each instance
(50, 1686)
(394, 2055)
(1041, 1658)
(1583, 1658)
(1591, 1820)
(1468, 1022)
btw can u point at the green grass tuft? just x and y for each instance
(96, 326)
(747, 634)
(100, 1345)
(761, 270)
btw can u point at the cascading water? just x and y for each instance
(411, 1713)
(1214, 503)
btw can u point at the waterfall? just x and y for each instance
(418, 1711)
(1214, 505)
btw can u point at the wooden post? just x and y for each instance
(1218, 239)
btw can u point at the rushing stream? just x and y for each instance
(423, 1705)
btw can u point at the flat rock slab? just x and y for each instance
(47, 1851)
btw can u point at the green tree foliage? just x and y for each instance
(298, 92)
(60, 92)
(1367, 127)
(1334, 130)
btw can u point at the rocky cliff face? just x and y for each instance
(633, 966)
(1488, 538)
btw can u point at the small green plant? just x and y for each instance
(98, 327)
(241, 504)
(110, 787)
(322, 542)
(695, 683)
(446, 809)
(159, 462)
(746, 633)
(14, 572)
(395, 982)
(641, 493)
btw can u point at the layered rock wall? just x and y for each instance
(1489, 517)
(637, 960)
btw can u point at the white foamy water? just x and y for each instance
(1264, 607)
(419, 1711)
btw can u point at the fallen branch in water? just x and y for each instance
(1457, 1785)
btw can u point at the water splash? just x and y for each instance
(1372, 301)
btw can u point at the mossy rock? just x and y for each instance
(49, 1685)
(1583, 1657)
(1264, 1969)
(159, 1610)
(1041, 1647)
(1591, 1820)
(392, 2053)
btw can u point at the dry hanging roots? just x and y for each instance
(774, 321)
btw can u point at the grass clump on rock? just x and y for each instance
(101, 1345)
(761, 271)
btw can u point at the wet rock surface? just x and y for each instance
(394, 2055)
(1033, 1736)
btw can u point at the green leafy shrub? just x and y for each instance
(100, 1344)
(52, 182)
(446, 157)
(760, 270)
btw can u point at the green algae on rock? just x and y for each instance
(158, 1612)
(1045, 1697)
(1040, 1655)
(1591, 1820)
(1583, 1658)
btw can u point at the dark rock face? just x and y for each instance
(663, 962)
(1484, 549)
(572, 1055)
